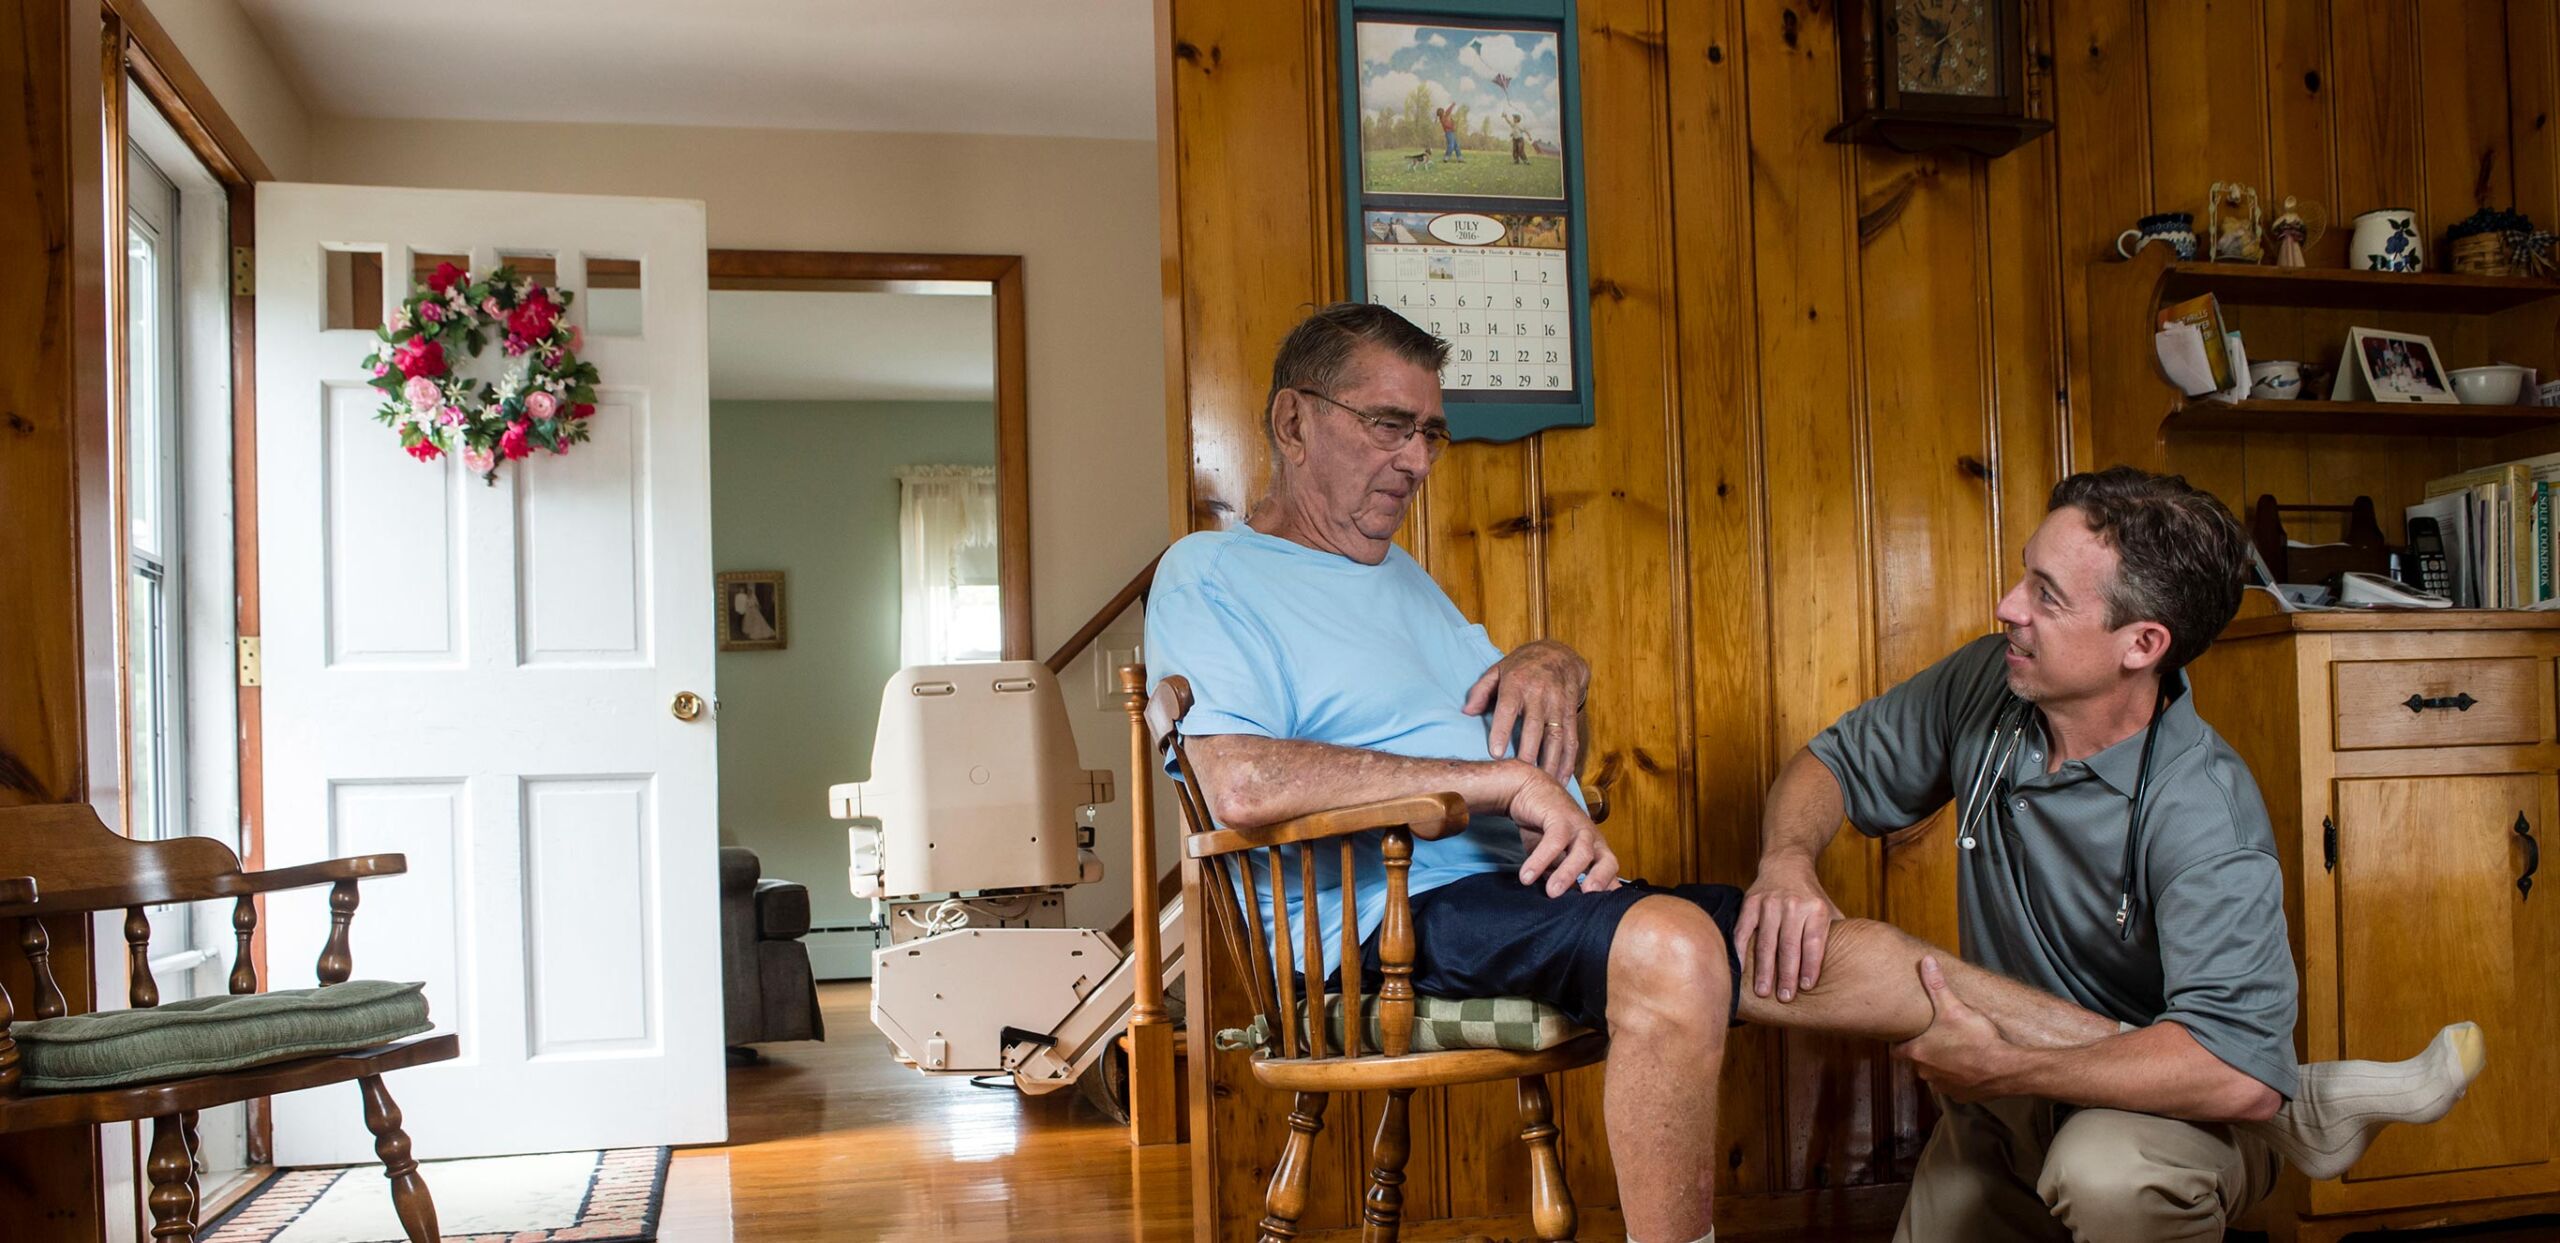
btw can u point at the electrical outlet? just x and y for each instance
(1106, 674)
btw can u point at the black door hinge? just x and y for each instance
(2329, 843)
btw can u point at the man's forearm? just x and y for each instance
(1804, 811)
(1254, 781)
(2159, 1069)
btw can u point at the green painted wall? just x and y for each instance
(811, 489)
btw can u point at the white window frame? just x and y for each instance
(155, 515)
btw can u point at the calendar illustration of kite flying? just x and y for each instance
(1465, 111)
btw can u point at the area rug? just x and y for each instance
(594, 1197)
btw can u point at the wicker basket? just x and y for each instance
(2482, 254)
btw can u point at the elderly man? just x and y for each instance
(1329, 669)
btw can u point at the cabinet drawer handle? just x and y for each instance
(2459, 703)
(2532, 856)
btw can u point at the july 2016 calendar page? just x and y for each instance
(1493, 285)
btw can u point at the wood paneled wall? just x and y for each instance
(52, 423)
(1834, 386)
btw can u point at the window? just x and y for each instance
(172, 446)
(949, 608)
(155, 612)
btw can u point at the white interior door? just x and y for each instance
(479, 677)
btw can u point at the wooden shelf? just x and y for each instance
(2244, 284)
(2357, 418)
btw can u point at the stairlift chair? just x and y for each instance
(975, 795)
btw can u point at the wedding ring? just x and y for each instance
(1555, 727)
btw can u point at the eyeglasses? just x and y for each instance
(1390, 432)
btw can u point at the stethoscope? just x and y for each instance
(1993, 770)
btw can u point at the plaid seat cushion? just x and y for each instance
(1441, 1024)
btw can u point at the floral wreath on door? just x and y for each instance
(542, 401)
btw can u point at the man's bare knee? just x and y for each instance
(1668, 965)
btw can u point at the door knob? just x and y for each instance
(687, 705)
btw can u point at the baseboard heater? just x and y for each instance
(835, 954)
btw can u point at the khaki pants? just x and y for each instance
(2027, 1169)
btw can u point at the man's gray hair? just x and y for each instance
(1317, 354)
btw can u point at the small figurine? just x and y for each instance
(2237, 236)
(2294, 234)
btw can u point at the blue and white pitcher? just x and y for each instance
(2176, 229)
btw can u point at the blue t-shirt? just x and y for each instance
(1279, 640)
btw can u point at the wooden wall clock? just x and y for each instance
(1921, 75)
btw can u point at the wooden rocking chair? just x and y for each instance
(1290, 1050)
(78, 866)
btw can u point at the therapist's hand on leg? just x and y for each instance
(1784, 928)
(1565, 848)
(1539, 690)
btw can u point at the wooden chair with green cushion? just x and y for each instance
(1396, 1041)
(168, 1063)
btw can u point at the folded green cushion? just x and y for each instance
(210, 1035)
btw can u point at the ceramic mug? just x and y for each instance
(2386, 241)
(2175, 228)
(2275, 380)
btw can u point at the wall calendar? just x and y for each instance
(1461, 140)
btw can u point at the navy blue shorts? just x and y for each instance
(1488, 935)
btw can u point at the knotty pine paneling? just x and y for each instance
(1835, 386)
(1718, 448)
(52, 442)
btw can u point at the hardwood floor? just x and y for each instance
(838, 1142)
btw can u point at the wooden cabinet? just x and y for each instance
(2432, 929)
(2405, 759)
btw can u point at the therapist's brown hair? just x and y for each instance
(2182, 557)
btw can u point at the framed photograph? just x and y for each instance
(2391, 367)
(750, 616)
(1462, 181)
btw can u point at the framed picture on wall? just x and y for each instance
(1462, 178)
(750, 616)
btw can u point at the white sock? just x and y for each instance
(2343, 1105)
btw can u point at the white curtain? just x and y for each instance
(948, 608)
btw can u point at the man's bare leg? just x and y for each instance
(1870, 986)
(1670, 992)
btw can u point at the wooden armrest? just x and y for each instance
(353, 867)
(1428, 816)
(231, 885)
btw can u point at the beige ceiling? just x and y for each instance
(1060, 68)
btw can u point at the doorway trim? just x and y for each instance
(134, 47)
(789, 269)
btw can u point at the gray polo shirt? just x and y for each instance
(2037, 892)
